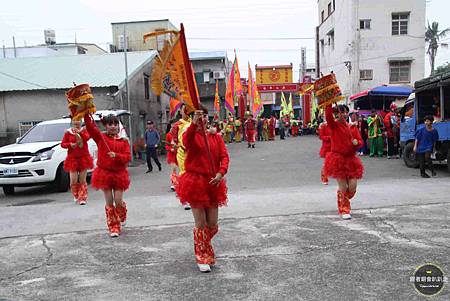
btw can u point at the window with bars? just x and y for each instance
(24, 126)
(331, 40)
(399, 72)
(366, 74)
(146, 86)
(364, 24)
(400, 23)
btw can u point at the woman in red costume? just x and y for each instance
(272, 123)
(111, 174)
(203, 185)
(78, 160)
(171, 149)
(325, 136)
(250, 129)
(341, 162)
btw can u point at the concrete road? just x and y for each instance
(280, 236)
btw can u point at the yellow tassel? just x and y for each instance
(159, 68)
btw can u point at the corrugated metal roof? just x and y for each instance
(207, 55)
(59, 72)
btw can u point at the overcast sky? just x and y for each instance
(284, 25)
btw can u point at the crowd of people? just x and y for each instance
(377, 130)
(199, 160)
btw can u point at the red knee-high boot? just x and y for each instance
(340, 201)
(323, 177)
(82, 193)
(350, 194)
(212, 231)
(75, 188)
(122, 212)
(200, 246)
(174, 180)
(112, 220)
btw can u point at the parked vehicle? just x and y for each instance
(37, 157)
(431, 97)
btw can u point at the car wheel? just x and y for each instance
(62, 180)
(8, 190)
(409, 156)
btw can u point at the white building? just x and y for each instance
(51, 50)
(369, 43)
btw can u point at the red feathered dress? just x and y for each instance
(325, 136)
(78, 158)
(171, 150)
(194, 187)
(250, 130)
(341, 162)
(110, 173)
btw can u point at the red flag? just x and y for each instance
(229, 96)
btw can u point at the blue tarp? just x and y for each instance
(277, 108)
(391, 91)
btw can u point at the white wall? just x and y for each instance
(375, 45)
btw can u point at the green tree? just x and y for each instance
(443, 68)
(432, 36)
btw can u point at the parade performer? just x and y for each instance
(177, 132)
(111, 174)
(238, 130)
(272, 124)
(265, 129)
(203, 185)
(325, 136)
(250, 129)
(171, 149)
(295, 128)
(78, 160)
(341, 162)
(375, 123)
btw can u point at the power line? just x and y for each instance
(25, 81)
(250, 38)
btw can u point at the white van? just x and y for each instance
(37, 157)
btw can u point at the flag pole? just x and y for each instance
(193, 93)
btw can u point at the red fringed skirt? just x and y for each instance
(105, 179)
(251, 136)
(78, 164)
(172, 158)
(195, 189)
(343, 167)
(324, 151)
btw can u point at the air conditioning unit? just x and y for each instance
(219, 74)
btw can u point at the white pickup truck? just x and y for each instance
(37, 157)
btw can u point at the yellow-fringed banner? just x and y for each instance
(172, 72)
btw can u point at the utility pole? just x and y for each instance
(14, 46)
(128, 93)
(4, 50)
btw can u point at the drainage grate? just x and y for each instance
(35, 202)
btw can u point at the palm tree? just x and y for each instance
(432, 36)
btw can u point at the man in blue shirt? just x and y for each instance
(152, 140)
(426, 137)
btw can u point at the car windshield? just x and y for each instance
(45, 133)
